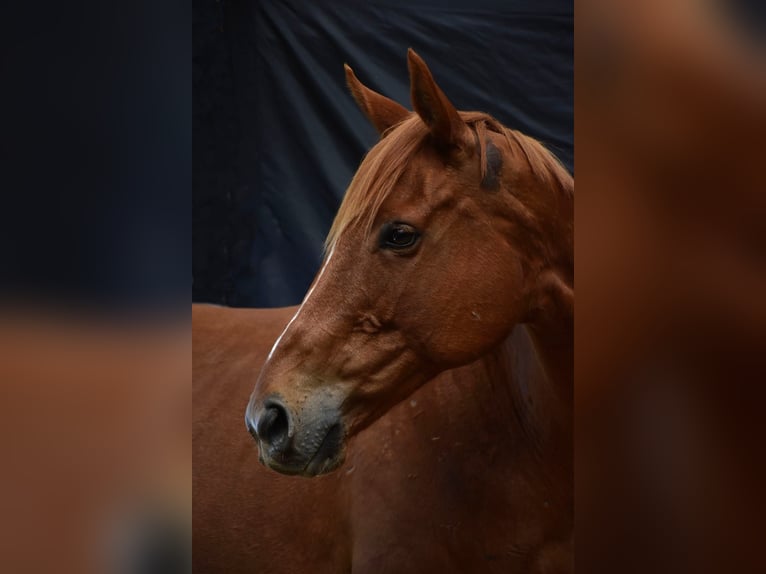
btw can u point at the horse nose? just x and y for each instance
(273, 426)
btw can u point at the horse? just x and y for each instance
(417, 405)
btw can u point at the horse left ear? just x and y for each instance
(382, 112)
(433, 107)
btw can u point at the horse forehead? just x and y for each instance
(429, 178)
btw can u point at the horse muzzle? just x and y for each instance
(306, 443)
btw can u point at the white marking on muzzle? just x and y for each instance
(306, 298)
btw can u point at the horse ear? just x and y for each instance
(433, 107)
(383, 112)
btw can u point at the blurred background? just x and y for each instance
(670, 332)
(95, 369)
(277, 136)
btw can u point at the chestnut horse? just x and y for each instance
(427, 375)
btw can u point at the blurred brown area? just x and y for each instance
(94, 434)
(671, 281)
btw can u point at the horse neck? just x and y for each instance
(551, 318)
(524, 384)
(530, 378)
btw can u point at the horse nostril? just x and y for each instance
(273, 427)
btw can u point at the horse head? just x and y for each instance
(450, 233)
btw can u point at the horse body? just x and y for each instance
(424, 489)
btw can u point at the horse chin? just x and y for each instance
(320, 463)
(318, 466)
(328, 456)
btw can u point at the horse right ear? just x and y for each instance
(433, 107)
(382, 112)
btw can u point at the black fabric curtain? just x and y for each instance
(277, 137)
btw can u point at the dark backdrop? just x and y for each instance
(277, 137)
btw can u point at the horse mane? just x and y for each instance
(384, 164)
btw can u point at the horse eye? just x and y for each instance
(398, 236)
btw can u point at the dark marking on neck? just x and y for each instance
(494, 163)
